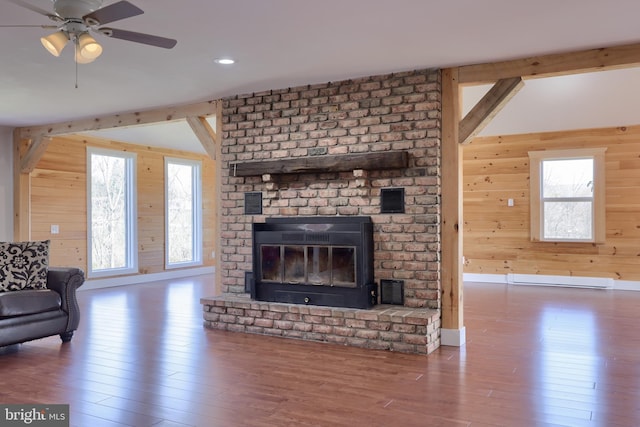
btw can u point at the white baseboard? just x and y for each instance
(485, 278)
(564, 281)
(542, 280)
(626, 285)
(144, 278)
(453, 337)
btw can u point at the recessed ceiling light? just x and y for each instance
(225, 61)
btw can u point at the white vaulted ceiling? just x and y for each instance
(285, 43)
(581, 101)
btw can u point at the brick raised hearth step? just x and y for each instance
(384, 327)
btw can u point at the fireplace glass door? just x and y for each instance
(294, 264)
(343, 262)
(318, 267)
(271, 263)
(309, 264)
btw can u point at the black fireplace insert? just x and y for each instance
(314, 260)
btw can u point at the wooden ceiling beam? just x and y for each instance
(202, 109)
(608, 58)
(205, 134)
(487, 108)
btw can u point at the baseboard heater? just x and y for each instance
(562, 281)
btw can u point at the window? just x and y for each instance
(111, 212)
(567, 195)
(183, 213)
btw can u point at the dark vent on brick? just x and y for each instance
(392, 292)
(253, 203)
(392, 200)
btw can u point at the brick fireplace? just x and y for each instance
(288, 142)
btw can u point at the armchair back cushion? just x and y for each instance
(23, 265)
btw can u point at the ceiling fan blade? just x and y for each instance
(28, 26)
(113, 12)
(138, 37)
(36, 9)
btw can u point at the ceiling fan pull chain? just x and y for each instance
(75, 55)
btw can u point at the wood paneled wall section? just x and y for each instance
(496, 237)
(59, 196)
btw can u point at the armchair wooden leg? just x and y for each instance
(66, 337)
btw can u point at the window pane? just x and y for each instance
(567, 178)
(108, 212)
(568, 220)
(180, 205)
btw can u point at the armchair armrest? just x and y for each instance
(65, 281)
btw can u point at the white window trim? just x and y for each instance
(197, 213)
(131, 212)
(599, 207)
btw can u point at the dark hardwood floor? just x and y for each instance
(534, 357)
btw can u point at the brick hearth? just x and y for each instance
(385, 327)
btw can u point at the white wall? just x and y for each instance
(6, 184)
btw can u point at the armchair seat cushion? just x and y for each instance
(28, 301)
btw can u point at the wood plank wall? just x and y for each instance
(496, 237)
(59, 196)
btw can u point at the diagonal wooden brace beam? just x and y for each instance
(205, 134)
(36, 150)
(487, 108)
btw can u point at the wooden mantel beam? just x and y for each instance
(608, 58)
(487, 108)
(202, 109)
(325, 163)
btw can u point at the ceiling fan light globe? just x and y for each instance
(88, 47)
(81, 59)
(55, 42)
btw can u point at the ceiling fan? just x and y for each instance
(75, 20)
